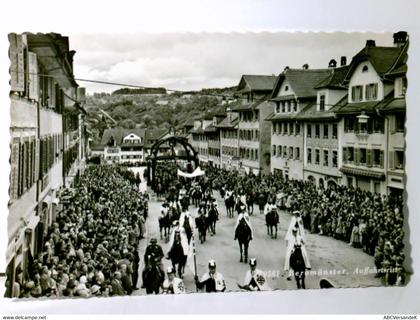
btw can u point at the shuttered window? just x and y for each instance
(14, 172)
(17, 62)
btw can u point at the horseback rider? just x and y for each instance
(296, 222)
(178, 230)
(154, 251)
(185, 215)
(173, 284)
(213, 205)
(270, 206)
(255, 279)
(163, 209)
(295, 240)
(212, 280)
(243, 216)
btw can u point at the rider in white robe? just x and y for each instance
(269, 207)
(172, 284)
(296, 239)
(244, 215)
(184, 239)
(301, 230)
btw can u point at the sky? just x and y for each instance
(191, 61)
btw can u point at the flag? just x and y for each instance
(191, 256)
(197, 172)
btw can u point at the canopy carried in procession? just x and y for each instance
(197, 172)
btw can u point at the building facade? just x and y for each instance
(229, 143)
(42, 90)
(123, 145)
(253, 132)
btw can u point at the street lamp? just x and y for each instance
(362, 117)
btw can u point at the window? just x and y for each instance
(256, 115)
(349, 124)
(400, 87)
(297, 131)
(283, 107)
(294, 105)
(284, 152)
(363, 127)
(279, 151)
(309, 151)
(362, 156)
(287, 128)
(365, 69)
(399, 160)
(317, 154)
(334, 159)
(274, 150)
(287, 106)
(292, 128)
(348, 154)
(325, 158)
(371, 91)
(378, 125)
(325, 131)
(256, 154)
(334, 131)
(322, 102)
(317, 131)
(290, 152)
(277, 107)
(297, 153)
(377, 158)
(400, 122)
(309, 130)
(286, 88)
(356, 93)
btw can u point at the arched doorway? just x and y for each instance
(332, 184)
(311, 179)
(171, 149)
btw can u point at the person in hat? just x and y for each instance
(172, 284)
(154, 250)
(212, 280)
(295, 222)
(255, 279)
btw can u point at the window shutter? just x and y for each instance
(14, 170)
(17, 67)
(21, 168)
(391, 160)
(369, 157)
(356, 156)
(41, 158)
(33, 76)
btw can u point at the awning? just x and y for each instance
(363, 173)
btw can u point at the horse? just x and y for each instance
(243, 234)
(230, 204)
(188, 229)
(213, 216)
(185, 202)
(250, 197)
(298, 265)
(165, 225)
(152, 276)
(201, 223)
(177, 256)
(271, 221)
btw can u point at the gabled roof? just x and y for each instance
(250, 82)
(226, 124)
(368, 106)
(335, 79)
(383, 59)
(302, 81)
(119, 133)
(310, 113)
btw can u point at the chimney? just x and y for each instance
(305, 66)
(400, 38)
(286, 68)
(332, 63)
(370, 43)
(343, 61)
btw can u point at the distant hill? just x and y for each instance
(163, 110)
(139, 91)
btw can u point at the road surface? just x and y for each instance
(344, 265)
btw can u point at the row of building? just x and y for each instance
(339, 125)
(49, 141)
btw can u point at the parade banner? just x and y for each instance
(197, 172)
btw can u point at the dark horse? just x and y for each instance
(152, 277)
(211, 219)
(230, 204)
(165, 225)
(176, 254)
(185, 202)
(201, 223)
(243, 234)
(188, 229)
(271, 221)
(298, 265)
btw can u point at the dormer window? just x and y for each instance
(322, 102)
(365, 69)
